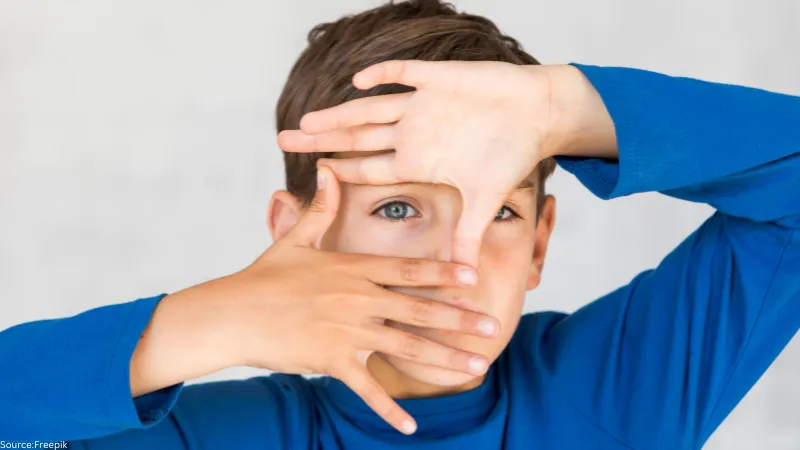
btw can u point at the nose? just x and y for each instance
(441, 237)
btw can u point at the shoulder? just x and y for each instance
(533, 327)
(532, 332)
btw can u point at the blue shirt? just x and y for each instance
(656, 364)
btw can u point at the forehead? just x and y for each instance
(528, 183)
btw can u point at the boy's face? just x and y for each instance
(417, 220)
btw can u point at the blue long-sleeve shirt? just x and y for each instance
(656, 364)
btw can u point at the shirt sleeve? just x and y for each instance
(273, 411)
(667, 357)
(68, 379)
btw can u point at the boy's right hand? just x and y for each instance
(301, 310)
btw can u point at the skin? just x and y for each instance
(416, 220)
(301, 309)
(493, 123)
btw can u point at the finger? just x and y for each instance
(407, 72)
(388, 271)
(476, 216)
(320, 214)
(359, 138)
(433, 314)
(377, 109)
(402, 344)
(365, 386)
(373, 170)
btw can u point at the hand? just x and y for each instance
(300, 310)
(481, 127)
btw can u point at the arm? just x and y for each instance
(68, 378)
(75, 378)
(667, 357)
(71, 379)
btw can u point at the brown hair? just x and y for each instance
(417, 29)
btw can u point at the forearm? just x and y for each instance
(188, 337)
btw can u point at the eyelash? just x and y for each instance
(514, 215)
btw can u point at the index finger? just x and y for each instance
(389, 271)
(476, 216)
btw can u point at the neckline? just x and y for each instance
(454, 411)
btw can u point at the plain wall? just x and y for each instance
(138, 154)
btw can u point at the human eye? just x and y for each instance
(506, 214)
(396, 210)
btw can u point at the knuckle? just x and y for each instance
(421, 312)
(455, 359)
(386, 410)
(339, 121)
(409, 269)
(350, 137)
(361, 171)
(317, 204)
(446, 272)
(466, 320)
(411, 346)
(370, 395)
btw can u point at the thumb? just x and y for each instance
(320, 214)
(476, 216)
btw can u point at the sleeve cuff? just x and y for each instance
(608, 179)
(146, 410)
(153, 407)
(600, 176)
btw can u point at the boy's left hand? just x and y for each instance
(481, 127)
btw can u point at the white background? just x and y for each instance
(137, 147)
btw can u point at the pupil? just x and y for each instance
(397, 211)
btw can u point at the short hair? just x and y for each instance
(428, 30)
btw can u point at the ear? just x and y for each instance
(544, 228)
(284, 212)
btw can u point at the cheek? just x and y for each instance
(356, 232)
(505, 267)
(508, 248)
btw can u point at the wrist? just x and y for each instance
(580, 123)
(212, 323)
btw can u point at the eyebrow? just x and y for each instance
(527, 183)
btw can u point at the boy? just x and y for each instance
(657, 364)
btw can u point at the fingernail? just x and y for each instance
(487, 327)
(477, 365)
(466, 277)
(322, 180)
(409, 427)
